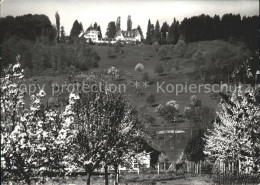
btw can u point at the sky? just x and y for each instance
(103, 11)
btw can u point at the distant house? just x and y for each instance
(91, 34)
(130, 36)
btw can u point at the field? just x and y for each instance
(126, 61)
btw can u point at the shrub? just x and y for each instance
(158, 69)
(150, 99)
(146, 77)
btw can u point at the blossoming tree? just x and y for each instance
(235, 138)
(27, 135)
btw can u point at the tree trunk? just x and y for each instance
(88, 177)
(27, 180)
(106, 175)
(116, 174)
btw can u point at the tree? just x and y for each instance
(149, 33)
(157, 33)
(164, 32)
(100, 33)
(62, 35)
(99, 128)
(129, 23)
(140, 31)
(173, 33)
(111, 30)
(29, 27)
(97, 27)
(158, 68)
(27, 135)
(76, 29)
(162, 53)
(118, 23)
(235, 137)
(57, 17)
(169, 111)
(245, 70)
(195, 147)
(150, 99)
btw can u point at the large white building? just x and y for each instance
(92, 34)
(131, 36)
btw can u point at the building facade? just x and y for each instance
(128, 36)
(92, 35)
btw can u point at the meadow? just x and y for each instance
(126, 60)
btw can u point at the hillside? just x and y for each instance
(146, 54)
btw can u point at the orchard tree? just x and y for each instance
(139, 68)
(235, 137)
(169, 111)
(27, 135)
(98, 129)
(124, 143)
(159, 69)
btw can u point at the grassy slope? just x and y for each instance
(126, 63)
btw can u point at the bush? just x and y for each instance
(146, 77)
(150, 99)
(158, 69)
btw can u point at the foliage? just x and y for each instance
(118, 23)
(76, 29)
(162, 53)
(157, 33)
(62, 35)
(189, 112)
(236, 133)
(28, 27)
(57, 17)
(139, 67)
(195, 147)
(101, 129)
(27, 135)
(140, 31)
(150, 99)
(204, 27)
(194, 101)
(146, 77)
(246, 69)
(37, 57)
(111, 30)
(97, 27)
(169, 111)
(129, 23)
(149, 32)
(173, 33)
(158, 68)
